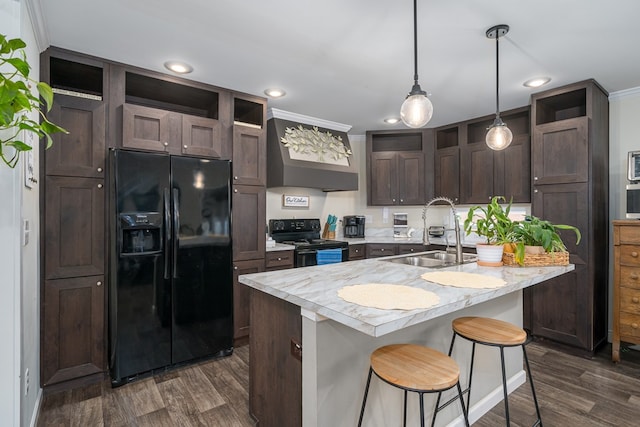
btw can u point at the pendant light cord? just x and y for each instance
(415, 41)
(497, 76)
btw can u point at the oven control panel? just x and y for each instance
(289, 225)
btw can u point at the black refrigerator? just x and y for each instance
(170, 295)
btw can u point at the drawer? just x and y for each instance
(407, 248)
(629, 234)
(630, 325)
(278, 260)
(630, 300)
(375, 250)
(356, 252)
(630, 277)
(630, 254)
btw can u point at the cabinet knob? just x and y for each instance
(635, 300)
(279, 259)
(401, 200)
(393, 200)
(634, 325)
(633, 276)
(535, 178)
(411, 250)
(99, 169)
(382, 250)
(535, 191)
(357, 250)
(185, 147)
(166, 144)
(235, 267)
(98, 283)
(99, 185)
(235, 190)
(634, 254)
(235, 178)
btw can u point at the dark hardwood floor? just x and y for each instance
(572, 391)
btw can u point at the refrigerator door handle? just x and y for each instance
(176, 230)
(167, 230)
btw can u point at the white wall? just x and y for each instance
(10, 262)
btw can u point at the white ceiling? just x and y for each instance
(351, 61)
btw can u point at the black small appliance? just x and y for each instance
(354, 226)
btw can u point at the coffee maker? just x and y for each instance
(353, 226)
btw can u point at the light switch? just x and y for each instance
(25, 232)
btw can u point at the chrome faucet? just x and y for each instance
(425, 233)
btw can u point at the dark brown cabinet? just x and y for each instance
(486, 173)
(375, 250)
(241, 322)
(153, 129)
(410, 248)
(570, 171)
(447, 162)
(397, 172)
(357, 252)
(73, 336)
(278, 260)
(249, 156)
(248, 227)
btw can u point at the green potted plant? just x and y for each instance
(493, 223)
(537, 236)
(17, 102)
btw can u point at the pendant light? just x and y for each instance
(499, 136)
(416, 110)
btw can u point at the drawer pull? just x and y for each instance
(634, 325)
(381, 250)
(635, 300)
(279, 259)
(634, 276)
(634, 254)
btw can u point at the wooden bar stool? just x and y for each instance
(415, 368)
(495, 333)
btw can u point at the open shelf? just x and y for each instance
(563, 106)
(446, 138)
(248, 113)
(166, 95)
(75, 78)
(405, 141)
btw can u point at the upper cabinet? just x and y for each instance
(158, 113)
(249, 144)
(397, 170)
(447, 161)
(486, 173)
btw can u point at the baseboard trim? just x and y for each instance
(489, 401)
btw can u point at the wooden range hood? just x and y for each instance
(286, 169)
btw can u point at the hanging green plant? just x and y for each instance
(17, 101)
(312, 141)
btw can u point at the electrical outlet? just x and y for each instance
(26, 382)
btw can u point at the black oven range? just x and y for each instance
(310, 249)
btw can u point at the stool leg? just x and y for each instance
(468, 390)
(533, 390)
(421, 409)
(504, 387)
(405, 410)
(364, 399)
(435, 411)
(464, 409)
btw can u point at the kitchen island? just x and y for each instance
(297, 314)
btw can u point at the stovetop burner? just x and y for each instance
(301, 233)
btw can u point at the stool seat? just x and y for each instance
(489, 331)
(415, 367)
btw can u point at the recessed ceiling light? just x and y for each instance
(178, 67)
(537, 82)
(275, 92)
(391, 120)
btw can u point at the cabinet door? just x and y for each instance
(249, 156)
(248, 210)
(476, 168)
(81, 152)
(150, 129)
(411, 178)
(356, 252)
(410, 248)
(202, 136)
(74, 227)
(376, 250)
(560, 152)
(447, 173)
(512, 171)
(241, 294)
(72, 329)
(384, 179)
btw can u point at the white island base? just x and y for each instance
(336, 363)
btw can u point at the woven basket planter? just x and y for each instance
(537, 260)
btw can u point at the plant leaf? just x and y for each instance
(46, 93)
(20, 65)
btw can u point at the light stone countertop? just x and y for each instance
(316, 289)
(280, 247)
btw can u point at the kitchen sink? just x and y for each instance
(432, 259)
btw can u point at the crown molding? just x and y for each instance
(274, 113)
(625, 93)
(36, 15)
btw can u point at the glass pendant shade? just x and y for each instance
(499, 135)
(416, 110)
